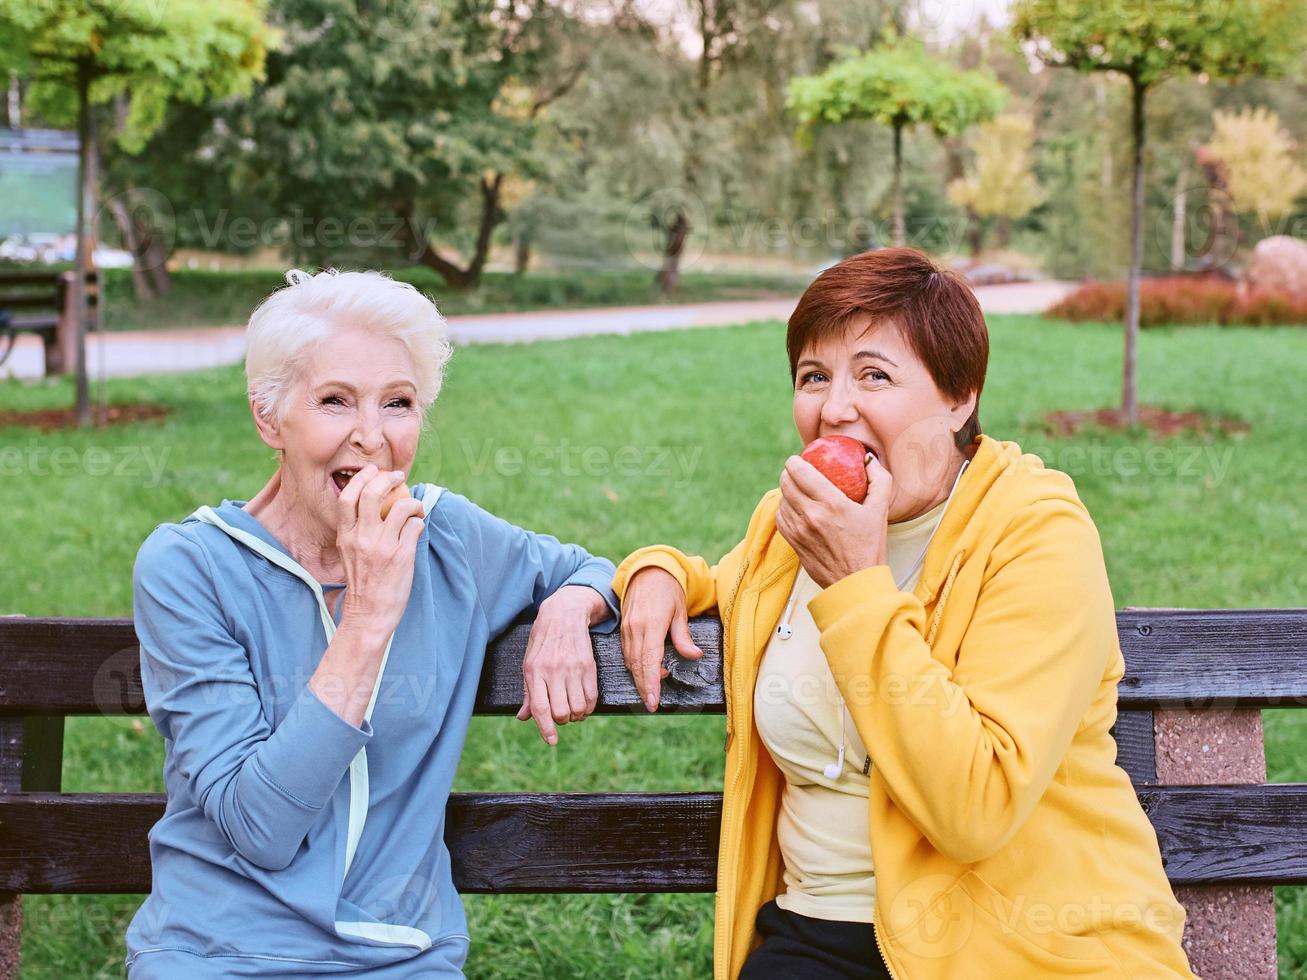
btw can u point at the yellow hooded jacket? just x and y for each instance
(1007, 843)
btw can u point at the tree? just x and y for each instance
(179, 191)
(1262, 176)
(632, 133)
(1148, 43)
(724, 31)
(1000, 183)
(80, 53)
(680, 131)
(899, 86)
(396, 132)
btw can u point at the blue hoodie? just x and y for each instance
(293, 843)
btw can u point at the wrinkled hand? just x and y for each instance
(378, 555)
(652, 610)
(560, 682)
(833, 536)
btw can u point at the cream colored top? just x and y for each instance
(822, 827)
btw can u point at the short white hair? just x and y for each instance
(286, 327)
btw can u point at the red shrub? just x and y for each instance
(1183, 300)
(1262, 307)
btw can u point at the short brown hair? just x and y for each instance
(934, 308)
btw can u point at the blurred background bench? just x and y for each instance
(42, 303)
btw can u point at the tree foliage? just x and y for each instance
(1148, 42)
(153, 53)
(1259, 159)
(898, 85)
(1001, 181)
(388, 135)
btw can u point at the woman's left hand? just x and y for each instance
(561, 683)
(833, 536)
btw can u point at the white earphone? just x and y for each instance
(783, 630)
(834, 769)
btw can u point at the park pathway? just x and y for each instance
(129, 353)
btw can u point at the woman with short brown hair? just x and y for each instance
(920, 687)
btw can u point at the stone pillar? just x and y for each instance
(1229, 931)
(11, 906)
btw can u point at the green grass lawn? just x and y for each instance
(616, 442)
(201, 298)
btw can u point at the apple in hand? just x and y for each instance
(842, 461)
(392, 498)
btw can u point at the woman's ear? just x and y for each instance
(963, 410)
(269, 430)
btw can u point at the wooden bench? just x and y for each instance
(1189, 735)
(42, 303)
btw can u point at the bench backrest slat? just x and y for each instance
(1200, 659)
(51, 279)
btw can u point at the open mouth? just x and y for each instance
(868, 450)
(341, 479)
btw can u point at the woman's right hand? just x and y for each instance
(378, 555)
(653, 609)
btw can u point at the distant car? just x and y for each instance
(112, 258)
(52, 248)
(17, 250)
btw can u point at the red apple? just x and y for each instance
(840, 460)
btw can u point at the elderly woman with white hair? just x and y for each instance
(311, 658)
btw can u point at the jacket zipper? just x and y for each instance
(875, 931)
(730, 611)
(735, 592)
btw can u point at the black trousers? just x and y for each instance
(798, 947)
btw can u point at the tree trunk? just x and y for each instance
(521, 253)
(423, 253)
(1004, 231)
(1129, 403)
(150, 276)
(1218, 247)
(15, 102)
(156, 263)
(900, 232)
(128, 229)
(421, 250)
(1178, 218)
(491, 215)
(974, 232)
(669, 276)
(714, 24)
(86, 206)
